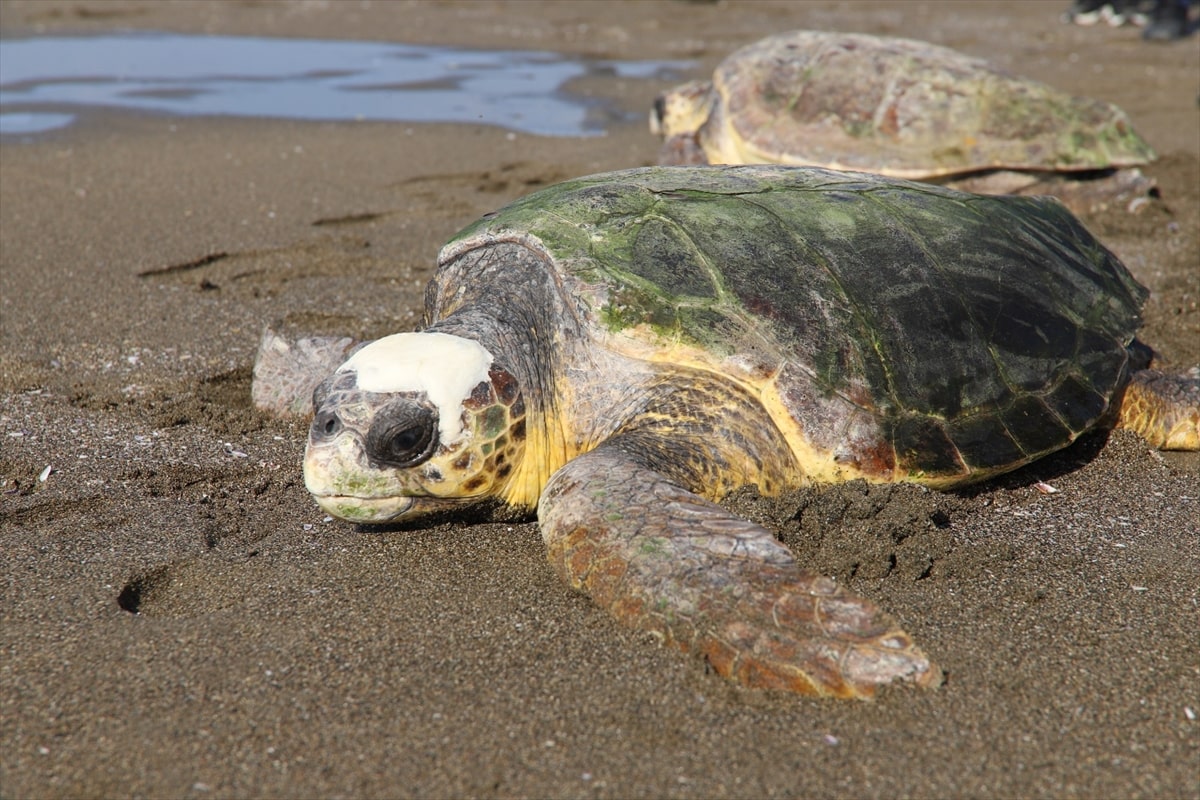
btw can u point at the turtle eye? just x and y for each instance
(660, 109)
(403, 434)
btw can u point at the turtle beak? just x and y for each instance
(383, 510)
(374, 510)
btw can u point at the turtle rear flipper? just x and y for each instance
(669, 562)
(286, 372)
(1128, 187)
(1162, 408)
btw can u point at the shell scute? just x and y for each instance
(923, 446)
(1076, 397)
(1033, 428)
(665, 256)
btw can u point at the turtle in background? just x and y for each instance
(906, 109)
(620, 352)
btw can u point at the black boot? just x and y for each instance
(1170, 21)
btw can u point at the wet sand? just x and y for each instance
(179, 619)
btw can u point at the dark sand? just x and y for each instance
(278, 654)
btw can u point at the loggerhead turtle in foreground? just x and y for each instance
(621, 351)
(907, 109)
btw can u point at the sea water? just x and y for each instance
(48, 82)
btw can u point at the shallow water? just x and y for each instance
(48, 82)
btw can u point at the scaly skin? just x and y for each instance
(1163, 409)
(664, 560)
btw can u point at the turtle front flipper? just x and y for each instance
(662, 559)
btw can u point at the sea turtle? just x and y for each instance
(907, 109)
(623, 350)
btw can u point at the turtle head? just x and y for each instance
(410, 424)
(682, 110)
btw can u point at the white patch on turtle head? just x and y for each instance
(446, 368)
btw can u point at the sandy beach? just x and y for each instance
(179, 619)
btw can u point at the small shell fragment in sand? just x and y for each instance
(231, 450)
